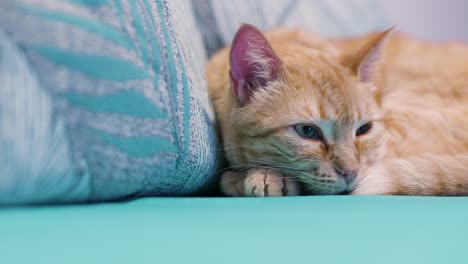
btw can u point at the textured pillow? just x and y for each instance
(101, 100)
(221, 19)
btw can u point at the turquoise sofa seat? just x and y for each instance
(320, 229)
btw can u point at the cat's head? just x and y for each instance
(313, 117)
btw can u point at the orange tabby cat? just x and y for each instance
(378, 114)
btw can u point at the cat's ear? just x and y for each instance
(366, 60)
(252, 61)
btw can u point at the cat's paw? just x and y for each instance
(258, 182)
(262, 182)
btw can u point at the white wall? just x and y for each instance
(438, 20)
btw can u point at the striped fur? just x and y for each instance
(417, 100)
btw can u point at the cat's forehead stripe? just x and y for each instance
(321, 110)
(357, 113)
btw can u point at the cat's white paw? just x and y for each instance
(265, 182)
(258, 182)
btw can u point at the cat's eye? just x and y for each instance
(364, 129)
(308, 131)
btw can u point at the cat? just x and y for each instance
(377, 114)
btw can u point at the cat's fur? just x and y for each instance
(415, 93)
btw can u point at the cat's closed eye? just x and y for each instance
(308, 132)
(364, 129)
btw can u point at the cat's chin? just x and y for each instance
(349, 189)
(340, 189)
(344, 193)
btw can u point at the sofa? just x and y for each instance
(109, 152)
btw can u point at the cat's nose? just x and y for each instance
(348, 175)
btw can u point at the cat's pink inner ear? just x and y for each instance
(365, 62)
(252, 61)
(371, 61)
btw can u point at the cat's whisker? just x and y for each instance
(235, 168)
(268, 161)
(243, 168)
(232, 147)
(277, 164)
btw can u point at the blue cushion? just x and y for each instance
(327, 229)
(104, 100)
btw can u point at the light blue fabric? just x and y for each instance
(34, 155)
(100, 101)
(321, 229)
(221, 19)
